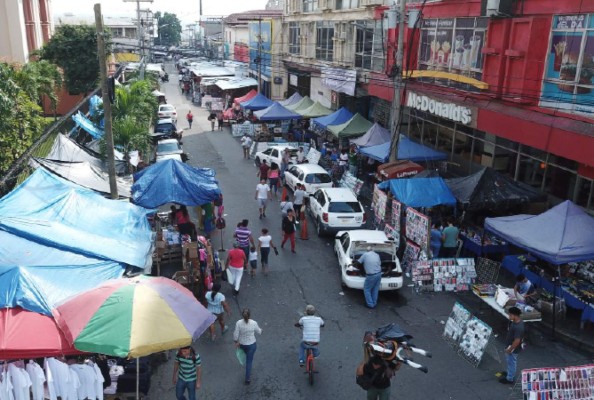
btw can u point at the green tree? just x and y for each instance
(20, 115)
(41, 78)
(74, 49)
(170, 29)
(129, 135)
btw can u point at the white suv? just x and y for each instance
(336, 209)
(312, 176)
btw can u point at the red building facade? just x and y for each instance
(513, 92)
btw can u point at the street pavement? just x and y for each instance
(312, 276)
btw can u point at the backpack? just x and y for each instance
(220, 223)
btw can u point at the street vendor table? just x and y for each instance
(490, 301)
(476, 248)
(516, 267)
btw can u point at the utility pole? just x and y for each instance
(113, 187)
(259, 55)
(139, 32)
(398, 84)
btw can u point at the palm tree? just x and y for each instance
(129, 135)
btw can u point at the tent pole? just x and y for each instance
(555, 283)
(138, 379)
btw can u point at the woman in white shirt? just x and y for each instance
(245, 338)
(264, 245)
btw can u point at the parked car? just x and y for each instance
(169, 148)
(397, 169)
(167, 111)
(312, 176)
(350, 245)
(335, 209)
(166, 129)
(273, 154)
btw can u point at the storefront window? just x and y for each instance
(294, 43)
(325, 44)
(453, 45)
(569, 75)
(369, 45)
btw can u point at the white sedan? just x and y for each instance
(274, 154)
(350, 245)
(167, 111)
(312, 176)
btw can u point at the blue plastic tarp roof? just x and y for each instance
(338, 117)
(258, 102)
(49, 210)
(422, 192)
(563, 234)
(172, 181)
(83, 122)
(41, 288)
(276, 112)
(407, 150)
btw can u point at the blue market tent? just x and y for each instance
(276, 112)
(338, 117)
(172, 181)
(258, 102)
(563, 234)
(40, 288)
(293, 99)
(422, 192)
(407, 150)
(52, 211)
(83, 122)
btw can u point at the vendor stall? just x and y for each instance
(356, 126)
(302, 104)
(407, 150)
(338, 117)
(479, 243)
(315, 110)
(376, 135)
(561, 235)
(294, 98)
(258, 102)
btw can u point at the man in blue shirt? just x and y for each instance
(372, 264)
(435, 243)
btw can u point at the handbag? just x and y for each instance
(224, 275)
(366, 381)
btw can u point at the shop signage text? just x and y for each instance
(442, 109)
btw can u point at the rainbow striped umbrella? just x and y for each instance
(133, 317)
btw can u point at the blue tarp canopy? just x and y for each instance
(258, 102)
(407, 150)
(52, 211)
(83, 122)
(276, 112)
(40, 288)
(338, 117)
(172, 181)
(422, 192)
(294, 98)
(563, 234)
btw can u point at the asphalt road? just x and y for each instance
(312, 277)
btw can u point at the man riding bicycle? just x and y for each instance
(311, 325)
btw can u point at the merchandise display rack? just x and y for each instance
(487, 271)
(567, 383)
(444, 274)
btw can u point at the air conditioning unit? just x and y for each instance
(497, 8)
(371, 3)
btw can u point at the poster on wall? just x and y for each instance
(379, 203)
(411, 254)
(569, 76)
(392, 233)
(417, 227)
(396, 213)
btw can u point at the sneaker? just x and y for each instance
(293, 251)
(235, 292)
(212, 338)
(225, 329)
(301, 364)
(505, 381)
(247, 382)
(264, 215)
(501, 374)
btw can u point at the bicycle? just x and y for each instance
(309, 365)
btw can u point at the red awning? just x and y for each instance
(248, 96)
(27, 334)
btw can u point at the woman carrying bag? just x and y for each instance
(244, 337)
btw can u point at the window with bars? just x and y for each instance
(347, 4)
(369, 45)
(294, 41)
(324, 43)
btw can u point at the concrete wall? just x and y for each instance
(13, 45)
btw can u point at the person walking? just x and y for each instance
(262, 196)
(449, 237)
(236, 262)
(212, 117)
(253, 259)
(372, 264)
(244, 337)
(273, 176)
(343, 160)
(244, 237)
(285, 206)
(288, 228)
(435, 241)
(220, 120)
(513, 345)
(190, 118)
(246, 143)
(187, 373)
(264, 245)
(378, 373)
(217, 305)
(285, 159)
(299, 199)
(263, 170)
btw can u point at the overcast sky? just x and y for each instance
(187, 11)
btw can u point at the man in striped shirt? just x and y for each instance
(244, 237)
(311, 325)
(187, 373)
